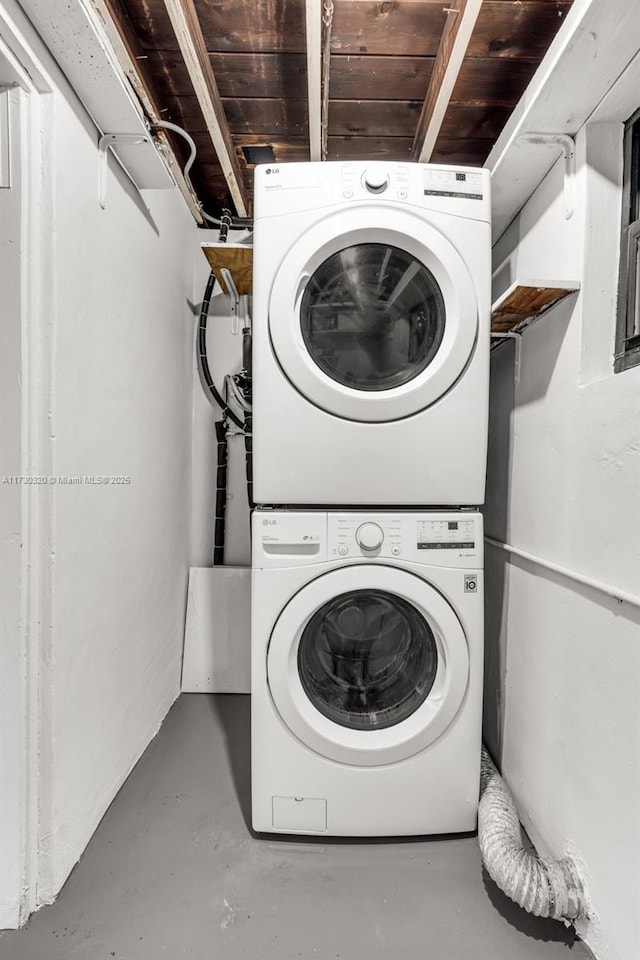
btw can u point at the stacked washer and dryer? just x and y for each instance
(371, 313)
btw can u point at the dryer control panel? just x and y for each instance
(291, 188)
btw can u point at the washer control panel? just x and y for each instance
(438, 538)
(285, 538)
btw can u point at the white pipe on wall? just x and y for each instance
(623, 596)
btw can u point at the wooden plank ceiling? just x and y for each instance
(380, 66)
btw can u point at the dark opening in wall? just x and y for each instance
(261, 154)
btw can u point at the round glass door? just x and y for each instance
(367, 664)
(372, 316)
(367, 659)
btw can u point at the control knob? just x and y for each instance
(369, 536)
(375, 180)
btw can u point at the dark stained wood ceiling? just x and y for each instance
(382, 57)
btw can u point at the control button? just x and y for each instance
(396, 550)
(402, 194)
(347, 194)
(343, 549)
(369, 536)
(376, 181)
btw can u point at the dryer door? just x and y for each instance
(373, 314)
(368, 664)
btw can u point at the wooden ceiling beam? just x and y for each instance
(313, 12)
(184, 19)
(461, 19)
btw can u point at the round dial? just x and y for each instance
(375, 180)
(369, 536)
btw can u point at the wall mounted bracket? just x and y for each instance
(568, 147)
(235, 299)
(511, 335)
(104, 143)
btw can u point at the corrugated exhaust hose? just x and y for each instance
(546, 888)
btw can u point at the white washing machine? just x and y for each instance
(371, 316)
(367, 645)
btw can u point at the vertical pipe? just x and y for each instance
(327, 21)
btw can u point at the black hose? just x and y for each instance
(248, 419)
(226, 220)
(201, 351)
(221, 493)
(248, 452)
(221, 425)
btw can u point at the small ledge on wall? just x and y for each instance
(237, 259)
(523, 302)
(526, 300)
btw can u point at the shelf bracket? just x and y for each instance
(511, 335)
(235, 298)
(104, 143)
(568, 147)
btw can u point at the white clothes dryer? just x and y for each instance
(371, 316)
(367, 653)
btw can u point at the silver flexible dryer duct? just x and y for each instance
(546, 888)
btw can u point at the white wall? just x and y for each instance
(12, 728)
(116, 399)
(121, 407)
(563, 660)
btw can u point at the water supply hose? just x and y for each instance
(201, 353)
(167, 125)
(545, 888)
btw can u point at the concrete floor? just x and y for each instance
(174, 872)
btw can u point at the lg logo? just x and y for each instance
(272, 170)
(268, 523)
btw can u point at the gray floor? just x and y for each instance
(174, 872)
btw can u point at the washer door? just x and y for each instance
(367, 664)
(373, 314)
